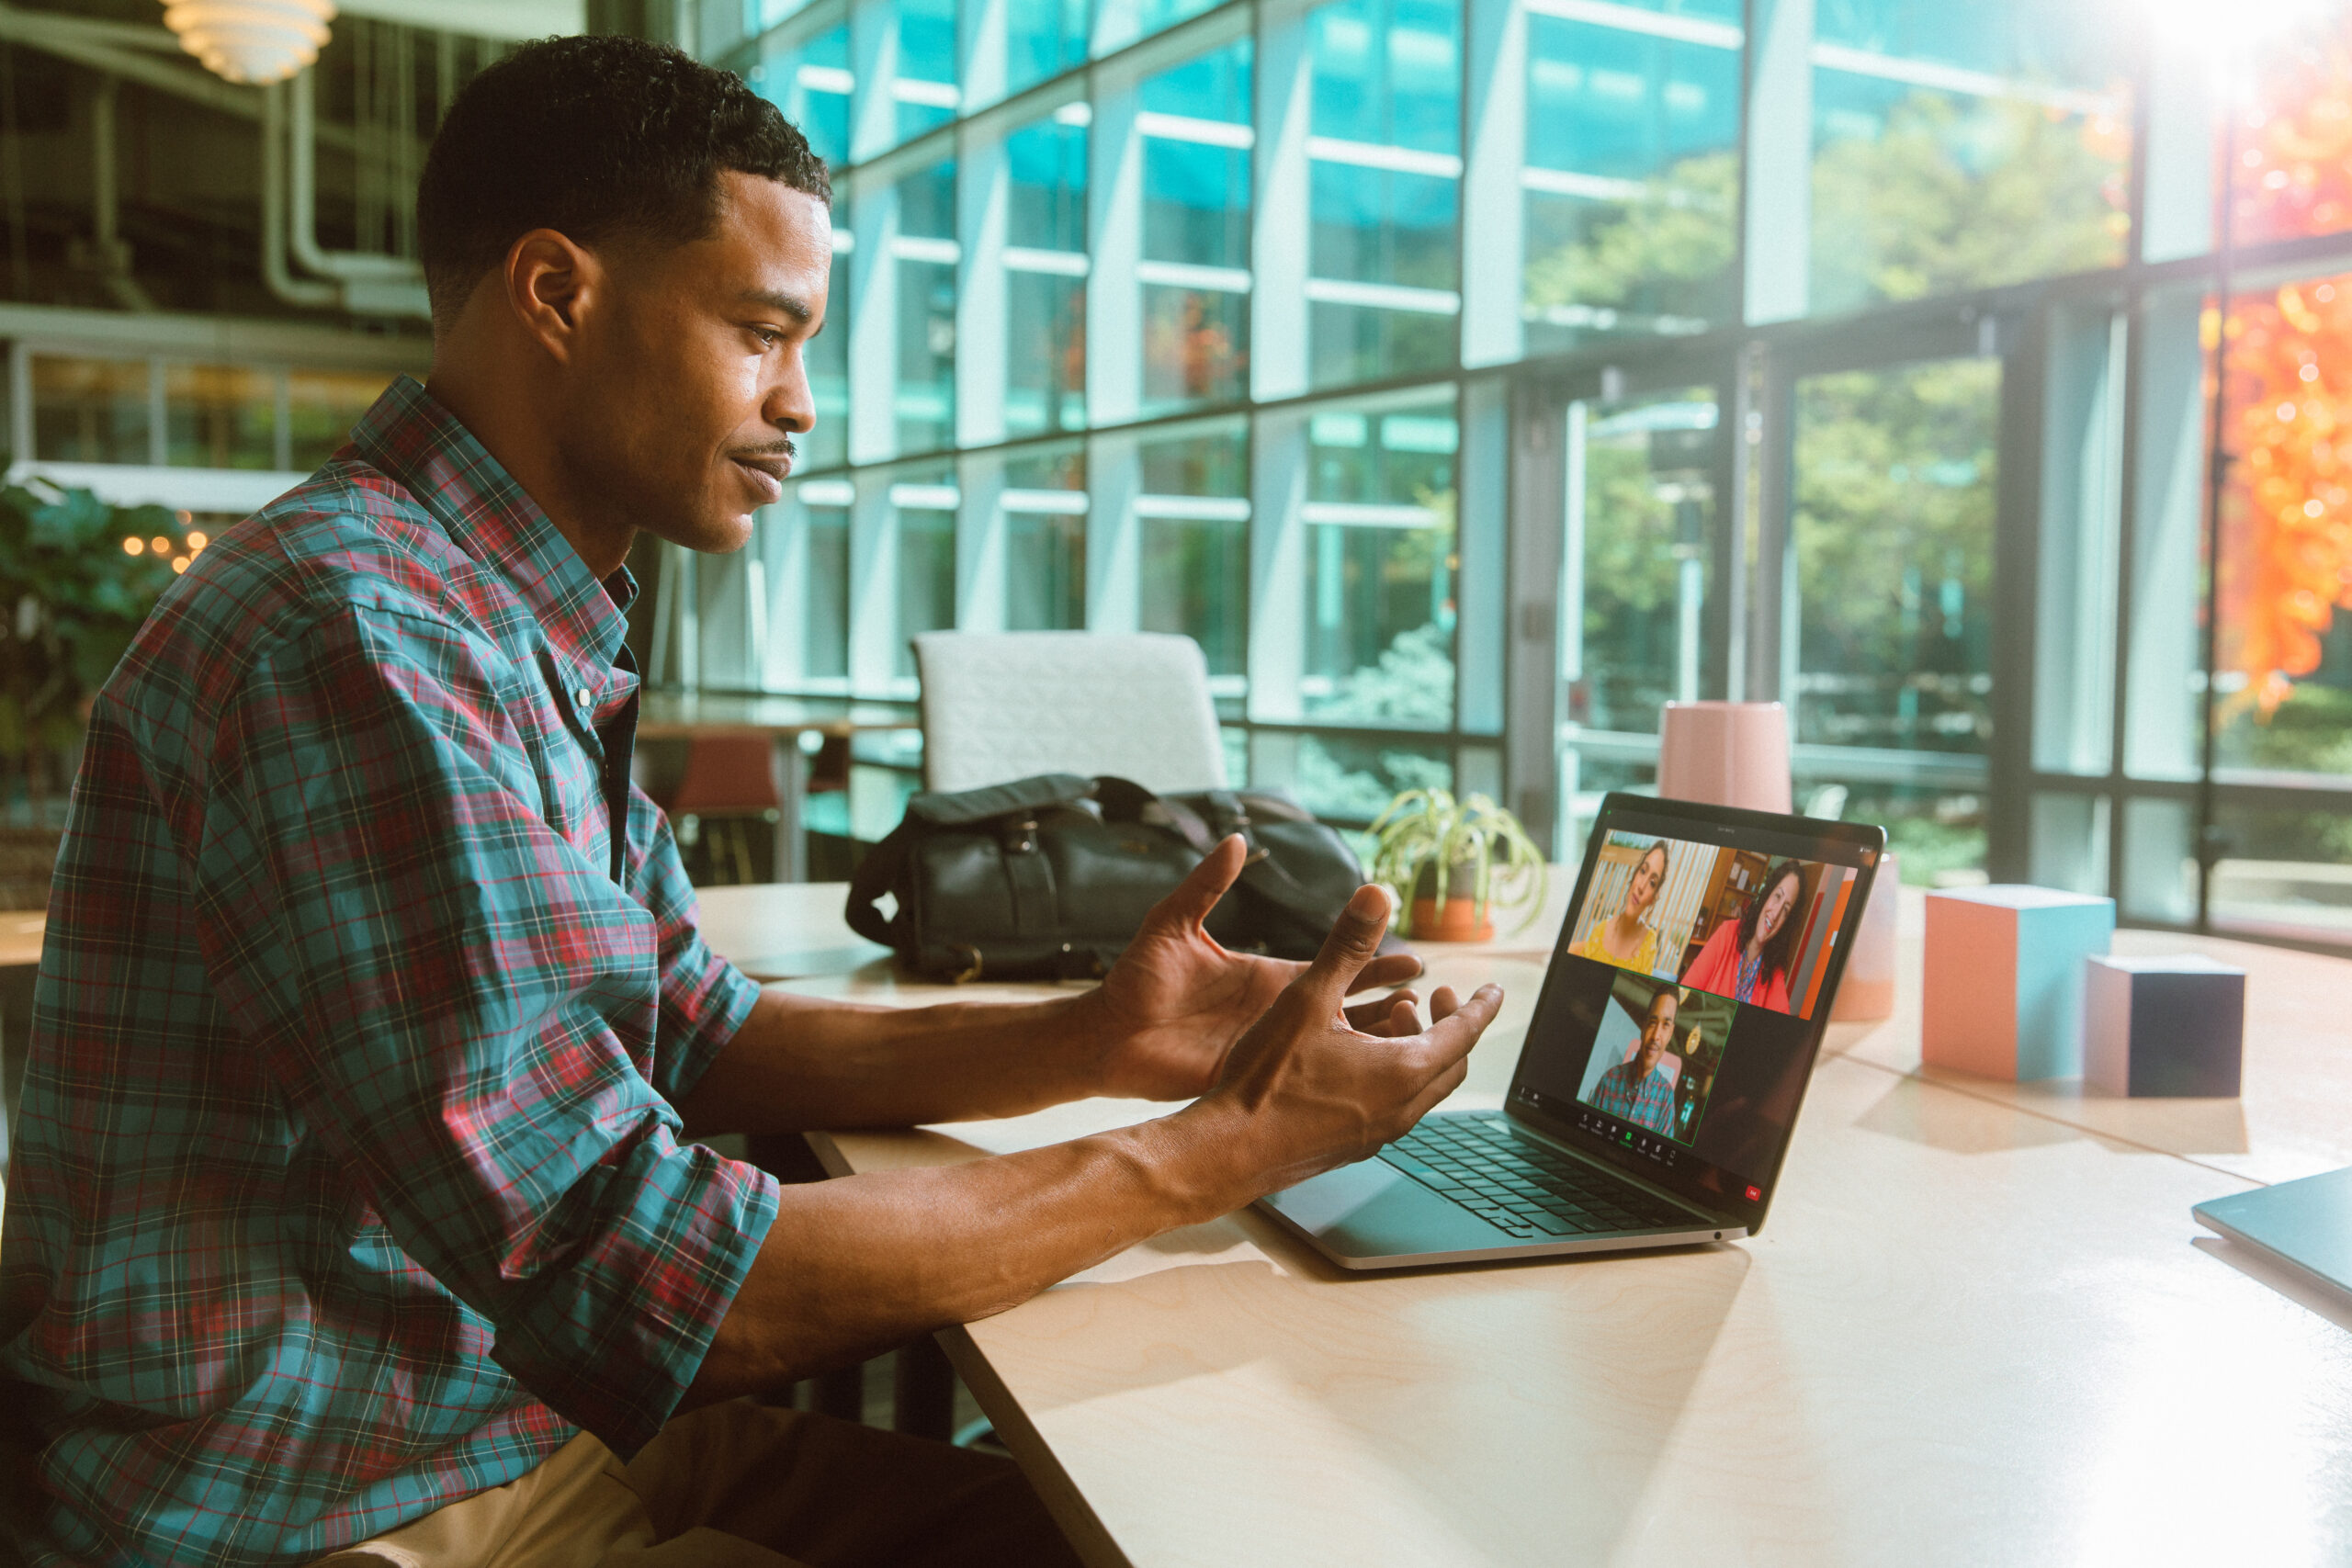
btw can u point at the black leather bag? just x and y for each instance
(1050, 877)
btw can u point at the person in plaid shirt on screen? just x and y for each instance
(356, 1212)
(1636, 1090)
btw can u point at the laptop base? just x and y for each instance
(1373, 1215)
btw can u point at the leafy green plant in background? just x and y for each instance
(1427, 836)
(72, 596)
(1948, 197)
(1667, 254)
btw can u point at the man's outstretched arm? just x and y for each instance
(855, 1265)
(1158, 1028)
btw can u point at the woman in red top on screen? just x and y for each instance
(1747, 959)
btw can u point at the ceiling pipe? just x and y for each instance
(110, 254)
(372, 285)
(310, 294)
(345, 264)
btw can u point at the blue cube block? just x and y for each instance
(2003, 992)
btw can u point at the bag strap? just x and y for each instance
(877, 874)
(964, 807)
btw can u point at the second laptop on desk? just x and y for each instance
(1664, 1066)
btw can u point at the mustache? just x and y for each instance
(782, 448)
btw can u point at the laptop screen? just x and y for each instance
(1685, 1002)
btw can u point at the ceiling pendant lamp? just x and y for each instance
(251, 40)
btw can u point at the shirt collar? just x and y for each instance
(420, 444)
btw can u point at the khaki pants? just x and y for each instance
(739, 1486)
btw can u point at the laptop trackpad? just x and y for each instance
(1373, 1210)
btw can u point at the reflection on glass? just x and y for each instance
(1632, 175)
(2293, 174)
(1645, 514)
(1380, 565)
(1383, 259)
(2015, 164)
(220, 416)
(1118, 23)
(1045, 276)
(924, 90)
(2070, 842)
(2286, 873)
(2159, 868)
(2284, 692)
(1353, 780)
(825, 612)
(1893, 537)
(827, 356)
(811, 86)
(323, 405)
(1197, 140)
(1042, 39)
(1044, 541)
(925, 511)
(926, 260)
(1194, 513)
(90, 411)
(1586, 780)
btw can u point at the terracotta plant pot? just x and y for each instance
(1464, 920)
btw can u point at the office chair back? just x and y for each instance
(1004, 706)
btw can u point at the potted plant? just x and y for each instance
(1452, 863)
(77, 576)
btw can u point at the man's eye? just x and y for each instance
(769, 337)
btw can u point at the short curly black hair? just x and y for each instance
(593, 137)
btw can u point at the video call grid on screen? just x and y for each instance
(1731, 1072)
(1738, 919)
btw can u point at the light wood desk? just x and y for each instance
(1977, 1328)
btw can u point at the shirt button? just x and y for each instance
(581, 697)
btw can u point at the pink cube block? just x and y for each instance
(2002, 994)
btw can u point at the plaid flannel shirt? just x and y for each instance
(1644, 1099)
(347, 1180)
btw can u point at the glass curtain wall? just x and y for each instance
(1472, 378)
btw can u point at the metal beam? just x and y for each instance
(217, 339)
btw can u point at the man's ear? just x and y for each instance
(551, 282)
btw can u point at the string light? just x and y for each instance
(134, 546)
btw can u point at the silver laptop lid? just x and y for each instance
(1685, 1003)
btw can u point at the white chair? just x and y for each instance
(1004, 706)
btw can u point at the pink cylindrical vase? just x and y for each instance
(1725, 754)
(1866, 992)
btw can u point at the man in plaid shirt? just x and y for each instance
(1636, 1090)
(355, 1210)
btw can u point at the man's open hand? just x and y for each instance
(1304, 1091)
(1177, 1000)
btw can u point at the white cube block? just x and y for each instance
(2174, 1025)
(2003, 989)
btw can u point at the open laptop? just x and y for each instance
(1651, 1105)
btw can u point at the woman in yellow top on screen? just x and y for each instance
(1626, 940)
(1748, 959)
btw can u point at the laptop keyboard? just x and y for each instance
(1519, 1185)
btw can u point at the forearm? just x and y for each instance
(856, 1264)
(800, 1063)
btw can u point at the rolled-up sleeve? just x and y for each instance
(471, 1017)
